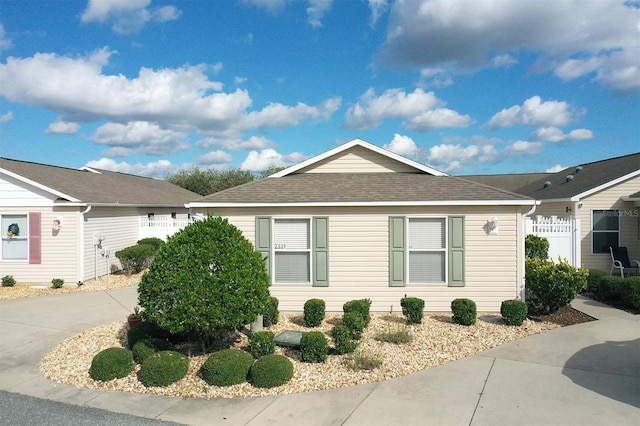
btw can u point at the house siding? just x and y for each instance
(358, 160)
(14, 194)
(359, 257)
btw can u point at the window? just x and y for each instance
(292, 250)
(15, 241)
(427, 250)
(606, 230)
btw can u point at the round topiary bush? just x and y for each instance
(412, 309)
(163, 368)
(343, 339)
(464, 311)
(207, 279)
(144, 348)
(261, 343)
(227, 367)
(314, 310)
(271, 371)
(361, 306)
(313, 347)
(354, 321)
(514, 312)
(111, 363)
(271, 314)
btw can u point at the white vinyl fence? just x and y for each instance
(563, 234)
(161, 227)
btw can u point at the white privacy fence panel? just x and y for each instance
(161, 227)
(563, 234)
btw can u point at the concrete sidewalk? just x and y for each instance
(587, 374)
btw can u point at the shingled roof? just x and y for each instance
(97, 186)
(360, 188)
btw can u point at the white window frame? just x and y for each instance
(444, 250)
(24, 236)
(611, 212)
(278, 249)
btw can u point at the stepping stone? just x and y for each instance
(288, 338)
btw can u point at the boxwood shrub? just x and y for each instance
(343, 339)
(145, 330)
(111, 363)
(271, 314)
(227, 367)
(412, 309)
(8, 281)
(314, 310)
(362, 306)
(163, 368)
(261, 343)
(464, 311)
(271, 371)
(144, 348)
(313, 347)
(136, 258)
(513, 312)
(354, 321)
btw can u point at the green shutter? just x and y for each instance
(320, 255)
(263, 240)
(456, 251)
(397, 252)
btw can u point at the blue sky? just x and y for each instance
(467, 86)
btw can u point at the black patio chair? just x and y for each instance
(620, 260)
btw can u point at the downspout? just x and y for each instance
(524, 229)
(81, 242)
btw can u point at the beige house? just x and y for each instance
(601, 198)
(361, 222)
(66, 223)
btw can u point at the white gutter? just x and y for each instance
(81, 241)
(370, 203)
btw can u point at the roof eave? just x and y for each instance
(530, 202)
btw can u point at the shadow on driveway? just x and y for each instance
(611, 369)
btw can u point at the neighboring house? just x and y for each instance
(601, 200)
(71, 222)
(361, 222)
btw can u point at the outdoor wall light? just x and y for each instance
(492, 226)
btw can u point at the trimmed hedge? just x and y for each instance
(354, 321)
(343, 339)
(464, 311)
(163, 368)
(271, 314)
(111, 363)
(615, 290)
(271, 371)
(145, 330)
(513, 312)
(261, 343)
(313, 347)
(361, 306)
(412, 309)
(136, 258)
(227, 367)
(550, 286)
(157, 243)
(314, 310)
(144, 348)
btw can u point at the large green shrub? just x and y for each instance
(550, 286)
(343, 339)
(412, 309)
(313, 347)
(630, 292)
(206, 279)
(163, 368)
(144, 348)
(8, 281)
(157, 243)
(356, 324)
(271, 314)
(536, 247)
(145, 330)
(136, 258)
(596, 276)
(227, 367)
(111, 363)
(261, 343)
(314, 310)
(362, 306)
(271, 371)
(618, 291)
(464, 311)
(513, 312)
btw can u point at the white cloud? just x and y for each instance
(271, 6)
(316, 11)
(555, 169)
(573, 37)
(449, 158)
(258, 161)
(128, 16)
(218, 158)
(535, 113)
(157, 169)
(378, 8)
(554, 134)
(5, 43)
(402, 145)
(63, 128)
(140, 137)
(232, 144)
(183, 97)
(421, 110)
(519, 148)
(5, 118)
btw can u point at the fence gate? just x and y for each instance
(563, 234)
